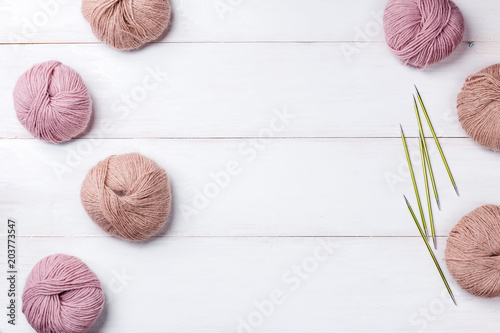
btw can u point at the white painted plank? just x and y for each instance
(208, 269)
(335, 187)
(56, 21)
(208, 284)
(231, 90)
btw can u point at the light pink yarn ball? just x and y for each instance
(52, 102)
(423, 32)
(62, 295)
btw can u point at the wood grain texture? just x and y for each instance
(209, 284)
(280, 187)
(231, 90)
(278, 123)
(60, 21)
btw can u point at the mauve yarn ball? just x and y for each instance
(473, 252)
(62, 295)
(127, 24)
(422, 32)
(52, 102)
(478, 107)
(128, 196)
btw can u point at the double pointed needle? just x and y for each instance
(423, 158)
(426, 152)
(430, 251)
(413, 179)
(437, 141)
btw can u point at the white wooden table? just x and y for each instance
(278, 123)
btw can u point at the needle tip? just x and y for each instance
(434, 241)
(456, 189)
(426, 233)
(418, 93)
(401, 127)
(453, 298)
(414, 100)
(438, 203)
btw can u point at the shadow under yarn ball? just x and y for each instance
(62, 294)
(128, 196)
(422, 32)
(473, 252)
(127, 24)
(52, 102)
(478, 107)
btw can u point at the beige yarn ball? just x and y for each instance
(128, 196)
(478, 107)
(127, 24)
(473, 252)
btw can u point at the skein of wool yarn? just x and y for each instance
(52, 102)
(422, 32)
(473, 252)
(127, 24)
(478, 107)
(62, 295)
(128, 196)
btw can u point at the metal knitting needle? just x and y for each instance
(437, 141)
(427, 192)
(413, 179)
(426, 152)
(430, 251)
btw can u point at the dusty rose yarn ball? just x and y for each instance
(127, 24)
(478, 107)
(473, 252)
(62, 294)
(422, 32)
(52, 102)
(128, 196)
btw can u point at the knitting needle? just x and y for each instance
(423, 158)
(426, 152)
(430, 251)
(437, 141)
(413, 179)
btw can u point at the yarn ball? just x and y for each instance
(62, 294)
(478, 107)
(128, 196)
(52, 102)
(473, 252)
(422, 32)
(127, 24)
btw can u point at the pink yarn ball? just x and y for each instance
(422, 32)
(52, 102)
(62, 294)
